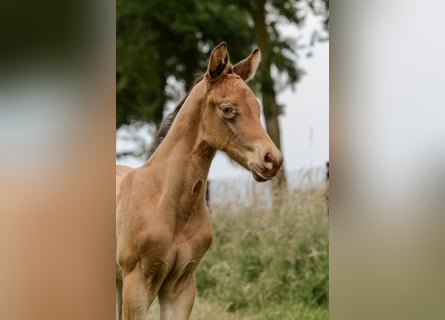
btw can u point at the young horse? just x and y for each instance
(162, 222)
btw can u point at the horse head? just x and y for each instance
(231, 115)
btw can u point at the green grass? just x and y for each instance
(264, 263)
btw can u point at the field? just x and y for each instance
(265, 263)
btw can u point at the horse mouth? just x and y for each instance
(257, 174)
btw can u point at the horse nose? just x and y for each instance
(268, 161)
(272, 162)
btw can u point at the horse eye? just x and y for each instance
(227, 110)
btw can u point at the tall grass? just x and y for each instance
(269, 263)
(265, 263)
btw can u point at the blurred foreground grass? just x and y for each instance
(264, 263)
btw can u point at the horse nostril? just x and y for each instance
(268, 161)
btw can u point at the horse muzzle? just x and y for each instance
(267, 168)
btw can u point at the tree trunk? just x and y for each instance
(270, 107)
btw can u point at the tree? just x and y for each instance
(158, 39)
(148, 34)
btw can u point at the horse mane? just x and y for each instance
(168, 120)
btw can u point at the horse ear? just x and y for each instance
(219, 59)
(247, 67)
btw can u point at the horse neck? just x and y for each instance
(183, 159)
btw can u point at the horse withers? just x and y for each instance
(163, 225)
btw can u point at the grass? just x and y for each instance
(264, 263)
(206, 309)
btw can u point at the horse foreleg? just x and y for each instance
(119, 285)
(137, 295)
(177, 301)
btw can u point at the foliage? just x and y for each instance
(158, 39)
(269, 261)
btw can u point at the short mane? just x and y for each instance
(168, 121)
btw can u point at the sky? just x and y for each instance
(304, 124)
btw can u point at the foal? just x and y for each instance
(163, 225)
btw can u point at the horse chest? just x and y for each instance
(188, 253)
